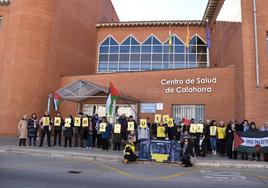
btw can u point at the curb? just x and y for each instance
(103, 157)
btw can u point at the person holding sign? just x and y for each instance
(171, 131)
(106, 129)
(22, 130)
(212, 136)
(144, 139)
(68, 130)
(58, 124)
(221, 136)
(78, 130)
(161, 131)
(117, 137)
(88, 125)
(45, 123)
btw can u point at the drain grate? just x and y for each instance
(74, 172)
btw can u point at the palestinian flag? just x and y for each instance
(56, 100)
(170, 41)
(251, 142)
(111, 100)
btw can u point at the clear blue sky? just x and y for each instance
(144, 10)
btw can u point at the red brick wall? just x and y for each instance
(146, 87)
(256, 99)
(43, 40)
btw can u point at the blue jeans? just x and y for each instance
(213, 143)
(89, 139)
(144, 149)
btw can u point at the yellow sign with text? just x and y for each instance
(157, 118)
(165, 118)
(85, 122)
(102, 127)
(143, 123)
(170, 122)
(199, 128)
(77, 121)
(213, 130)
(57, 121)
(46, 121)
(67, 122)
(117, 128)
(130, 126)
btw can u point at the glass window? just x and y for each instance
(114, 49)
(124, 66)
(202, 57)
(103, 57)
(126, 42)
(157, 57)
(113, 42)
(134, 65)
(135, 49)
(180, 65)
(146, 49)
(104, 49)
(148, 41)
(145, 65)
(179, 49)
(113, 66)
(146, 57)
(134, 41)
(157, 49)
(124, 49)
(156, 41)
(113, 57)
(124, 57)
(179, 57)
(177, 41)
(103, 66)
(157, 65)
(135, 57)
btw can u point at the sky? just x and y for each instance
(144, 10)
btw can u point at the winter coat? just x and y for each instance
(68, 131)
(22, 128)
(32, 127)
(108, 132)
(59, 128)
(117, 138)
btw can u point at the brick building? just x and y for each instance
(78, 47)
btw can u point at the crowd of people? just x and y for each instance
(88, 131)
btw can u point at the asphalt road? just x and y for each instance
(25, 171)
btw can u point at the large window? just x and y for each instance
(188, 111)
(151, 54)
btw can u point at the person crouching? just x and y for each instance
(187, 153)
(129, 152)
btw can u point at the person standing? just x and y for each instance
(117, 138)
(161, 131)
(22, 130)
(106, 134)
(253, 128)
(45, 123)
(68, 130)
(144, 141)
(244, 127)
(230, 129)
(221, 135)
(78, 130)
(212, 136)
(32, 129)
(58, 124)
(90, 132)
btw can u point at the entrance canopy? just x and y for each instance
(80, 90)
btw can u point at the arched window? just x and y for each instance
(151, 54)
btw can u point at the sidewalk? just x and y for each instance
(10, 145)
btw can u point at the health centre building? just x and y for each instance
(196, 69)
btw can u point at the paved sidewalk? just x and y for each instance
(10, 145)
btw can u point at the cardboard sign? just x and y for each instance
(102, 127)
(193, 128)
(67, 122)
(199, 128)
(77, 121)
(213, 130)
(143, 123)
(170, 122)
(57, 121)
(160, 132)
(46, 121)
(117, 128)
(130, 126)
(85, 122)
(165, 118)
(157, 118)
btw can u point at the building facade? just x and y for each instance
(150, 62)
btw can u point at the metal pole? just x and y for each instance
(256, 44)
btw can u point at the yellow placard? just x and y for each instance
(130, 126)
(77, 121)
(157, 118)
(143, 123)
(85, 122)
(67, 122)
(45, 121)
(102, 127)
(199, 128)
(170, 122)
(193, 128)
(165, 118)
(160, 132)
(117, 128)
(213, 130)
(159, 157)
(57, 121)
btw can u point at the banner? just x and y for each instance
(252, 142)
(197, 128)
